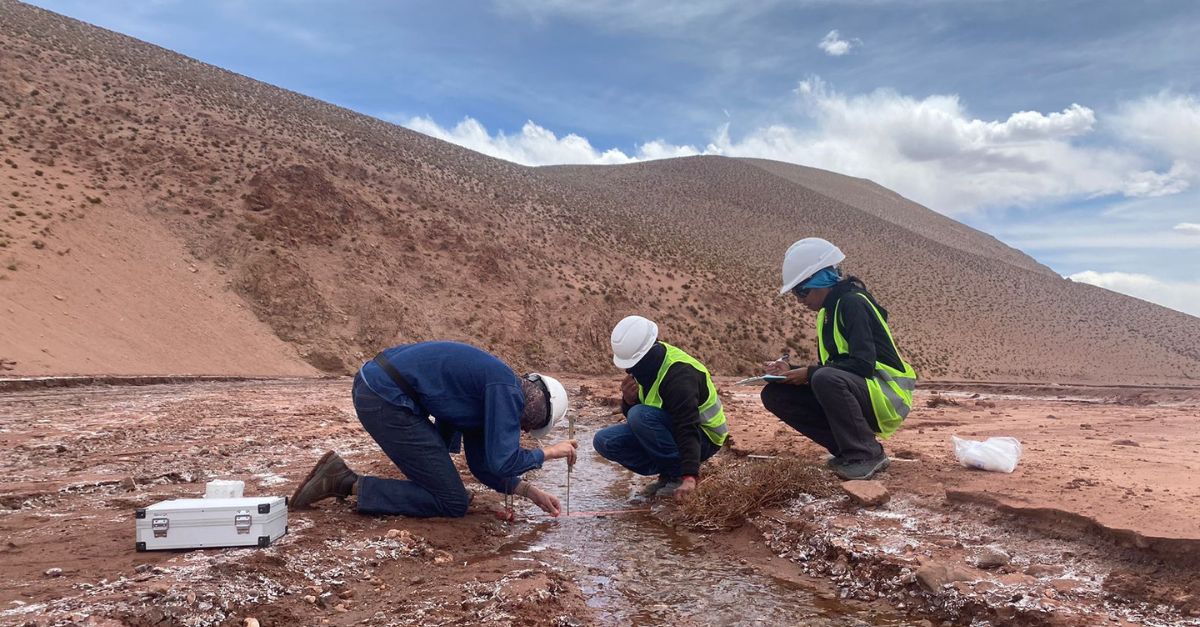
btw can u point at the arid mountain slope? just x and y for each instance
(319, 236)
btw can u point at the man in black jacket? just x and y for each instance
(861, 386)
(673, 416)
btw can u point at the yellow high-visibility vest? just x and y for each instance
(891, 389)
(712, 414)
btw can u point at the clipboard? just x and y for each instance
(762, 379)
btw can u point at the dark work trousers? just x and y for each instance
(645, 444)
(433, 488)
(833, 410)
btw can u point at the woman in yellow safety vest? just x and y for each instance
(861, 386)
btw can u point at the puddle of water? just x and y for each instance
(634, 570)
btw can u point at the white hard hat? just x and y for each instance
(558, 402)
(806, 258)
(632, 338)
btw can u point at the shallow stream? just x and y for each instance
(635, 570)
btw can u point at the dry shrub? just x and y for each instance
(938, 400)
(733, 491)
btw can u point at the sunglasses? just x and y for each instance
(801, 292)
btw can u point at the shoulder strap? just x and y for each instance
(400, 381)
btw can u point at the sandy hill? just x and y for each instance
(164, 216)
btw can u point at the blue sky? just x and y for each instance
(1070, 130)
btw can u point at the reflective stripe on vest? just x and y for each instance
(891, 389)
(712, 413)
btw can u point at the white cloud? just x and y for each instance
(929, 149)
(536, 145)
(1169, 123)
(933, 151)
(1188, 227)
(834, 45)
(1179, 295)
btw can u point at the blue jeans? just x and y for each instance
(433, 488)
(644, 443)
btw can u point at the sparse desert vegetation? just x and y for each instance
(343, 234)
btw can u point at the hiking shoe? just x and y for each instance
(653, 487)
(330, 477)
(833, 461)
(865, 469)
(668, 488)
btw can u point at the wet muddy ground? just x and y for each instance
(80, 460)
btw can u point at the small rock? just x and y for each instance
(1016, 579)
(310, 599)
(141, 568)
(341, 607)
(346, 594)
(250, 622)
(867, 493)
(992, 557)
(1043, 570)
(158, 588)
(54, 572)
(442, 557)
(933, 576)
(128, 484)
(325, 600)
(1125, 443)
(1063, 586)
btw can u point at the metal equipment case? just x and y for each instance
(208, 523)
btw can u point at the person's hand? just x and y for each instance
(546, 501)
(629, 390)
(798, 376)
(566, 449)
(776, 367)
(686, 486)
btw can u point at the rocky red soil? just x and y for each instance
(1096, 524)
(161, 216)
(82, 459)
(1088, 530)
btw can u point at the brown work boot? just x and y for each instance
(330, 477)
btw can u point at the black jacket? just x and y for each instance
(684, 389)
(866, 339)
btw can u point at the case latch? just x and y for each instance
(160, 526)
(242, 522)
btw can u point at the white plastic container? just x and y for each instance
(224, 489)
(207, 523)
(994, 454)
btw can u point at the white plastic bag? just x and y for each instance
(994, 454)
